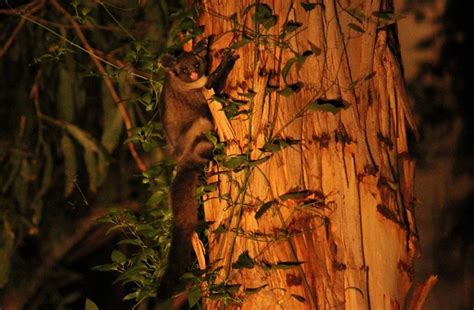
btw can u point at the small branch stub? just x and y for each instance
(224, 128)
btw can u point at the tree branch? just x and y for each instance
(421, 293)
(108, 82)
(29, 9)
(85, 26)
(10, 40)
(25, 9)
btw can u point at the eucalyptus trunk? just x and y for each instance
(319, 214)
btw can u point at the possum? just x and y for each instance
(186, 119)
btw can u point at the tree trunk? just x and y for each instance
(327, 220)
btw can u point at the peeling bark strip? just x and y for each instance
(421, 293)
(335, 249)
(390, 215)
(410, 271)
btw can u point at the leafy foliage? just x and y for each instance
(146, 242)
(64, 143)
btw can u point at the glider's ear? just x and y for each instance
(201, 47)
(168, 62)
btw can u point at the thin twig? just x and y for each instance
(22, 9)
(84, 26)
(28, 9)
(35, 96)
(108, 82)
(422, 292)
(116, 21)
(12, 37)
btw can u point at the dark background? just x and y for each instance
(437, 52)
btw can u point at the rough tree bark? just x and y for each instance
(339, 231)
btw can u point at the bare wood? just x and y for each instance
(224, 128)
(200, 251)
(421, 293)
(357, 246)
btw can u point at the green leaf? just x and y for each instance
(136, 242)
(106, 267)
(113, 228)
(220, 296)
(299, 298)
(263, 10)
(386, 18)
(356, 27)
(291, 26)
(83, 137)
(156, 198)
(264, 208)
(270, 89)
(278, 144)
(220, 230)
(308, 6)
(233, 108)
(212, 138)
(244, 41)
(287, 67)
(144, 227)
(357, 14)
(297, 59)
(85, 10)
(65, 95)
(194, 295)
(90, 305)
(383, 15)
(211, 187)
(118, 257)
(286, 92)
(271, 147)
(256, 162)
(244, 261)
(70, 163)
(270, 22)
(295, 195)
(188, 276)
(326, 105)
(102, 168)
(134, 274)
(112, 120)
(262, 13)
(130, 296)
(91, 166)
(254, 290)
(285, 265)
(233, 17)
(234, 162)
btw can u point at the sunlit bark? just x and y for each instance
(340, 200)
